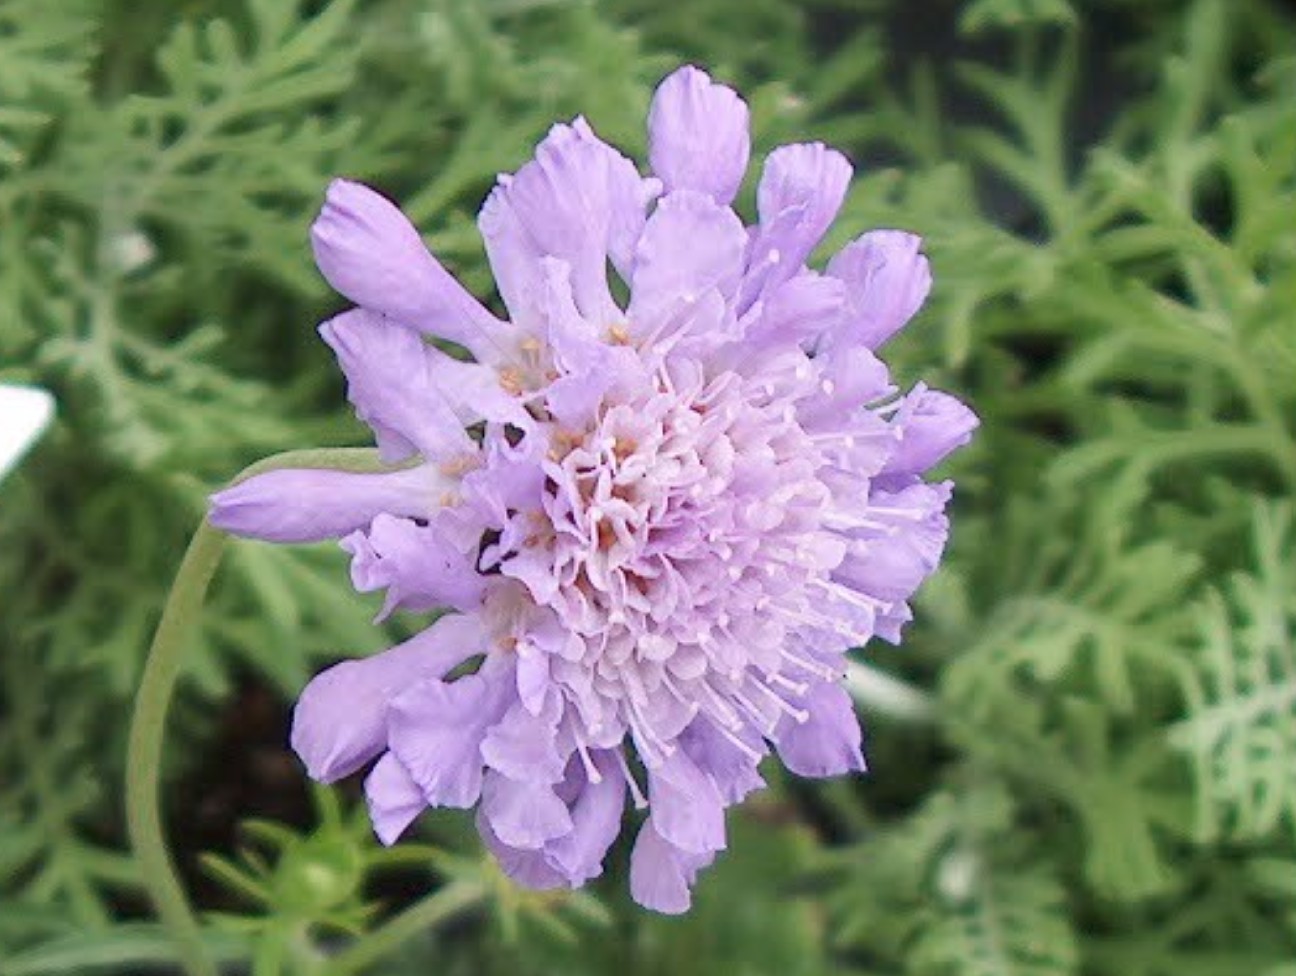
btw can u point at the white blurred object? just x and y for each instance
(25, 412)
(131, 251)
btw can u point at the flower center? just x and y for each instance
(678, 536)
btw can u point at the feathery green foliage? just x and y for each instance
(1108, 191)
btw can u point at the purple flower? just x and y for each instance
(657, 528)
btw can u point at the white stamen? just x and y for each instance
(739, 744)
(674, 689)
(640, 801)
(766, 723)
(909, 514)
(812, 617)
(817, 668)
(837, 519)
(646, 736)
(796, 687)
(800, 716)
(591, 771)
(722, 711)
(854, 597)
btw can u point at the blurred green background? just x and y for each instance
(1104, 781)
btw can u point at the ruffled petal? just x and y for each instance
(686, 806)
(661, 875)
(370, 252)
(339, 722)
(596, 821)
(390, 381)
(436, 728)
(887, 280)
(475, 392)
(523, 747)
(578, 201)
(514, 259)
(393, 798)
(902, 543)
(731, 768)
(420, 567)
(630, 196)
(891, 621)
(309, 505)
(534, 678)
(932, 424)
(529, 868)
(849, 379)
(589, 365)
(509, 479)
(690, 326)
(690, 246)
(797, 311)
(828, 742)
(523, 814)
(808, 178)
(801, 190)
(698, 135)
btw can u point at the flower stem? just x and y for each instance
(418, 918)
(153, 701)
(887, 695)
(144, 753)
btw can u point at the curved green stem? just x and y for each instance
(419, 917)
(144, 753)
(153, 701)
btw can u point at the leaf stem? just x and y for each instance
(153, 701)
(419, 917)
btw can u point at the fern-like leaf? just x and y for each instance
(1241, 692)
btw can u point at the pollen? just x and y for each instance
(510, 380)
(460, 465)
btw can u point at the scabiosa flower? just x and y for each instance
(657, 526)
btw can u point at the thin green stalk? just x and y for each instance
(418, 918)
(153, 701)
(144, 753)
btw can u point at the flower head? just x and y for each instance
(658, 525)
